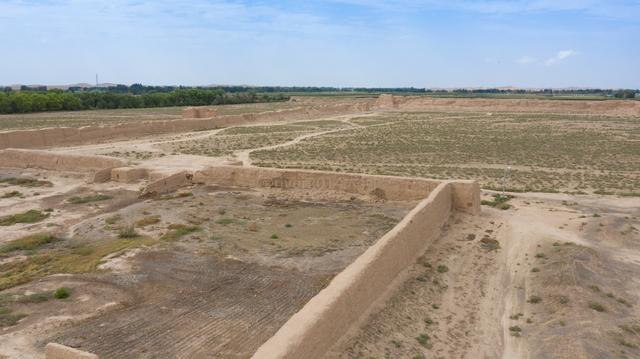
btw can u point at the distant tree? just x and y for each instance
(625, 94)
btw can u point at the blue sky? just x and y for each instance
(429, 43)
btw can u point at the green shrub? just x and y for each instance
(499, 201)
(442, 268)
(62, 293)
(424, 340)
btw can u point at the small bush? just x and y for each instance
(424, 340)
(534, 299)
(62, 293)
(442, 268)
(274, 236)
(128, 232)
(515, 330)
(535, 269)
(499, 201)
(489, 244)
(597, 307)
(288, 225)
(113, 219)
(540, 255)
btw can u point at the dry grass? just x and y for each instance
(70, 259)
(30, 216)
(547, 153)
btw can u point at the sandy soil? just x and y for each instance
(252, 261)
(585, 253)
(555, 276)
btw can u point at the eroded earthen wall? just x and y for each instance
(384, 187)
(19, 158)
(168, 184)
(425, 103)
(465, 194)
(65, 136)
(345, 302)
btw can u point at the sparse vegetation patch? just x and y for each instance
(27, 243)
(89, 198)
(30, 216)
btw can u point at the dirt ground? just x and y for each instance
(560, 282)
(226, 269)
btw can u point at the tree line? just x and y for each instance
(58, 100)
(140, 89)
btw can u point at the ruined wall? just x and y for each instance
(385, 187)
(466, 193)
(347, 300)
(386, 101)
(17, 158)
(424, 103)
(198, 112)
(65, 136)
(59, 351)
(128, 174)
(168, 184)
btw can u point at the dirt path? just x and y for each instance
(245, 155)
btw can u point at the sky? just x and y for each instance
(342, 43)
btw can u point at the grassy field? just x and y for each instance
(547, 153)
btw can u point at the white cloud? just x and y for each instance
(526, 60)
(560, 56)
